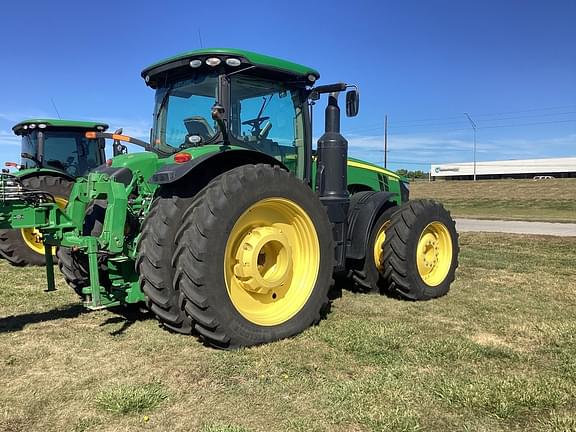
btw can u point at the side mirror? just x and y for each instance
(352, 103)
(118, 148)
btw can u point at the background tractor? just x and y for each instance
(230, 226)
(54, 154)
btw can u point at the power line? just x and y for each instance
(529, 124)
(486, 114)
(526, 110)
(497, 126)
(393, 126)
(401, 123)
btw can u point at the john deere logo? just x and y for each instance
(437, 169)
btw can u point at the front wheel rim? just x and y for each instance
(271, 261)
(434, 253)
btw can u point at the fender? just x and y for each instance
(213, 164)
(35, 172)
(365, 208)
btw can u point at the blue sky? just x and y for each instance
(510, 64)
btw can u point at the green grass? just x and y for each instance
(544, 200)
(130, 398)
(497, 354)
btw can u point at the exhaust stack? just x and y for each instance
(331, 178)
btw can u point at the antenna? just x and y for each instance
(473, 127)
(55, 109)
(200, 39)
(386, 141)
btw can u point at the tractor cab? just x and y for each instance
(262, 102)
(60, 145)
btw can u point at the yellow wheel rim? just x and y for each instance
(379, 244)
(271, 261)
(33, 237)
(434, 253)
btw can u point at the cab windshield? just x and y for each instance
(183, 110)
(67, 151)
(268, 116)
(261, 115)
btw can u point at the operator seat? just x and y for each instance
(197, 125)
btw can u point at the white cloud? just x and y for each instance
(426, 149)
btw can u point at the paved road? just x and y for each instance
(516, 227)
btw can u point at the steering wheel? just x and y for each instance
(256, 123)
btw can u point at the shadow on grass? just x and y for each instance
(15, 323)
(127, 315)
(342, 283)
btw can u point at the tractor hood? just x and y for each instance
(141, 163)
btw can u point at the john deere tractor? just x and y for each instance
(229, 226)
(54, 153)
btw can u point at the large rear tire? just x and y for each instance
(420, 251)
(24, 246)
(254, 258)
(156, 247)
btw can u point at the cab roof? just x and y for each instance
(247, 59)
(59, 123)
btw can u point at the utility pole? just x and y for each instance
(473, 127)
(386, 141)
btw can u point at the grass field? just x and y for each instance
(544, 200)
(497, 353)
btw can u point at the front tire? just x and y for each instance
(23, 247)
(421, 251)
(154, 263)
(254, 258)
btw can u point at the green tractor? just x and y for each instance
(54, 154)
(230, 226)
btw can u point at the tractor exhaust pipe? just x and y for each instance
(331, 178)
(332, 155)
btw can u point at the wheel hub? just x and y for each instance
(434, 253)
(431, 251)
(264, 260)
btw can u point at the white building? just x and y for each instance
(527, 168)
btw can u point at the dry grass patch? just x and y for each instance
(550, 200)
